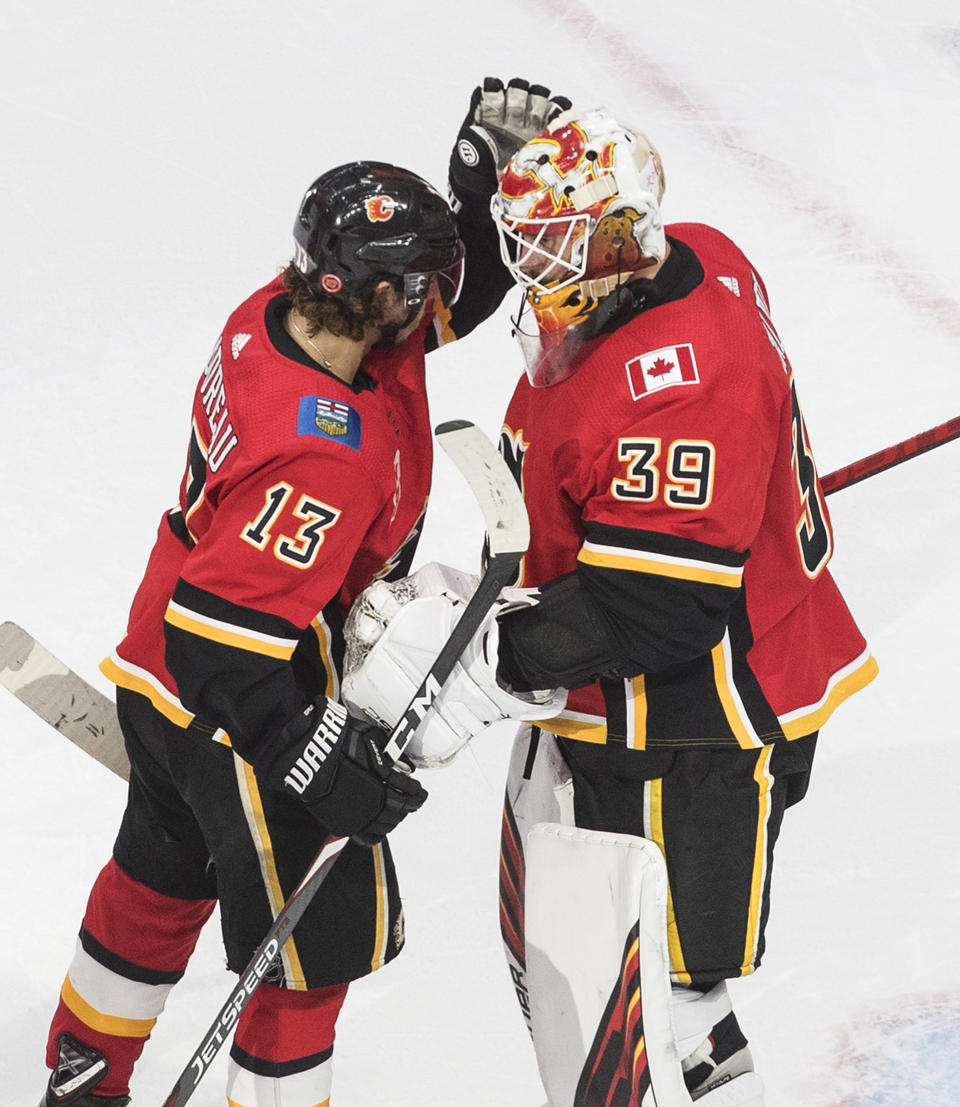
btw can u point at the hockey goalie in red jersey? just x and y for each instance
(307, 477)
(678, 564)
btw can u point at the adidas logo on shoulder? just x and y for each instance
(728, 282)
(237, 343)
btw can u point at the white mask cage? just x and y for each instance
(543, 254)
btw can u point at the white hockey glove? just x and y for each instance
(393, 635)
(499, 121)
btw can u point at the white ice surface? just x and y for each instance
(151, 159)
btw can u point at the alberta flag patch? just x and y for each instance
(664, 368)
(331, 419)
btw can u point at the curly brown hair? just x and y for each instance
(346, 315)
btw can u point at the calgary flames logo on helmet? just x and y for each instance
(380, 208)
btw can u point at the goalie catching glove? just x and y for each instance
(394, 633)
(499, 121)
(333, 763)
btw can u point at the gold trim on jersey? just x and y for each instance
(382, 932)
(843, 683)
(322, 631)
(132, 677)
(736, 715)
(260, 835)
(663, 565)
(636, 695)
(228, 634)
(653, 826)
(585, 728)
(764, 779)
(116, 1025)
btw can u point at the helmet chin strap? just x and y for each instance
(389, 331)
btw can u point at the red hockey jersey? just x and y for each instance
(677, 455)
(299, 490)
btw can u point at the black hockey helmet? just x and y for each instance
(370, 219)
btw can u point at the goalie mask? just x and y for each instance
(578, 213)
(369, 219)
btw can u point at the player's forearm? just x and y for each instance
(608, 624)
(233, 674)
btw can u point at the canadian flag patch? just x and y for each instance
(664, 368)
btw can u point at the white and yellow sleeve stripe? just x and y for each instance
(851, 678)
(658, 564)
(229, 634)
(125, 674)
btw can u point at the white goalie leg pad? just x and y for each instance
(539, 785)
(745, 1090)
(539, 789)
(587, 892)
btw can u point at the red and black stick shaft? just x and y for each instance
(890, 456)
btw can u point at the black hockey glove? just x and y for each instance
(500, 120)
(332, 762)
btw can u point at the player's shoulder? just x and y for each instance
(723, 261)
(282, 408)
(707, 349)
(701, 237)
(250, 312)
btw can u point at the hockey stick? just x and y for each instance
(61, 698)
(88, 718)
(893, 455)
(505, 517)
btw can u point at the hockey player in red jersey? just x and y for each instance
(307, 477)
(679, 550)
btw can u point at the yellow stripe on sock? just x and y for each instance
(115, 1025)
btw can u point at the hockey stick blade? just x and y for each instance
(62, 698)
(493, 486)
(508, 535)
(505, 516)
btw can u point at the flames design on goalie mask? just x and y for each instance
(579, 203)
(578, 214)
(550, 167)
